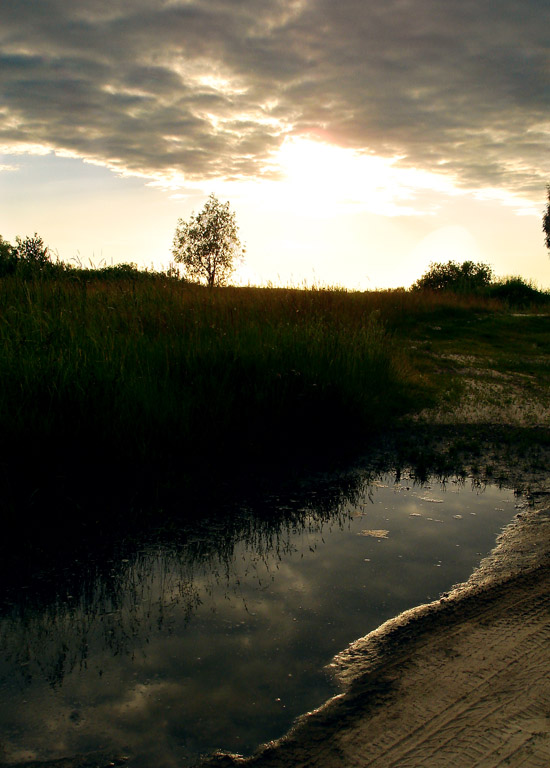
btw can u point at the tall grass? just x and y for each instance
(159, 377)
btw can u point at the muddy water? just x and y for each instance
(216, 636)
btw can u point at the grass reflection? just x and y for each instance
(214, 634)
(134, 587)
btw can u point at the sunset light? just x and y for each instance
(274, 383)
(328, 178)
(345, 139)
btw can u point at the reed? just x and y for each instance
(139, 379)
(165, 377)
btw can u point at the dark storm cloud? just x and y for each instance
(210, 87)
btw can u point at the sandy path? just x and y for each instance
(462, 682)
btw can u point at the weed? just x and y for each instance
(163, 377)
(128, 377)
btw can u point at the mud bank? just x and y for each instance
(463, 681)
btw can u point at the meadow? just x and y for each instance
(141, 381)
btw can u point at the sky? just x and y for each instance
(356, 140)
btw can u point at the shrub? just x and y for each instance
(518, 293)
(8, 258)
(33, 250)
(462, 278)
(28, 258)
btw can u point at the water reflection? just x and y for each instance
(214, 635)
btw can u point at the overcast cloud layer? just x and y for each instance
(210, 88)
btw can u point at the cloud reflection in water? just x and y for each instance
(217, 637)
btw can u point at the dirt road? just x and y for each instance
(462, 682)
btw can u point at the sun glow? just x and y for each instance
(326, 177)
(323, 180)
(448, 243)
(317, 205)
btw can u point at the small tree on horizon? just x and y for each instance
(33, 250)
(208, 244)
(546, 219)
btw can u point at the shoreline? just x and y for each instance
(462, 681)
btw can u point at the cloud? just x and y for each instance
(210, 89)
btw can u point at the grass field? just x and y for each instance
(140, 382)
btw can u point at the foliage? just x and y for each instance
(162, 378)
(8, 258)
(29, 257)
(208, 244)
(546, 220)
(122, 271)
(451, 276)
(33, 250)
(518, 293)
(6, 249)
(477, 279)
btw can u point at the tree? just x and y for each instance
(26, 257)
(33, 250)
(546, 220)
(6, 249)
(455, 277)
(8, 258)
(208, 244)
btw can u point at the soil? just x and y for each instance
(462, 682)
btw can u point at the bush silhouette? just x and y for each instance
(517, 293)
(462, 278)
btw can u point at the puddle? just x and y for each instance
(218, 640)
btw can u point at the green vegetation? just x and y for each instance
(143, 378)
(491, 368)
(29, 257)
(140, 380)
(518, 293)
(462, 278)
(470, 278)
